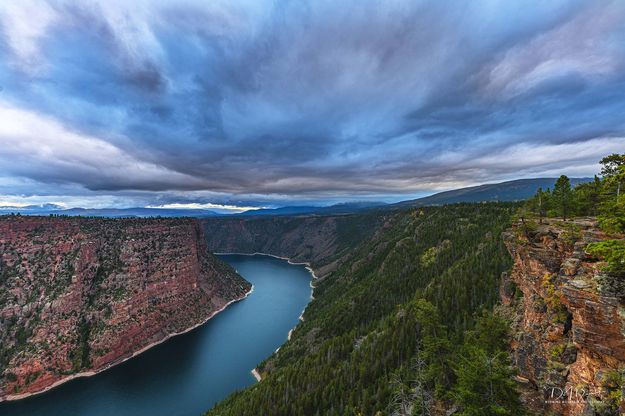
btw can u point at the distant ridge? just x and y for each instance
(139, 212)
(344, 208)
(515, 190)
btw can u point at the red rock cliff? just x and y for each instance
(569, 342)
(78, 295)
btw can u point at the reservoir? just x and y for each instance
(189, 373)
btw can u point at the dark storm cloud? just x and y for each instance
(308, 98)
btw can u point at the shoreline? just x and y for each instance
(254, 371)
(91, 373)
(258, 253)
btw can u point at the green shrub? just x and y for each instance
(613, 219)
(612, 384)
(612, 251)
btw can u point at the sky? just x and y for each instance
(232, 104)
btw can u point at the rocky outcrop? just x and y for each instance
(569, 343)
(78, 295)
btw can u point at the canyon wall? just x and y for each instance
(78, 295)
(569, 319)
(319, 240)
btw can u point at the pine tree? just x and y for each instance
(613, 208)
(543, 199)
(539, 203)
(485, 386)
(588, 197)
(563, 196)
(613, 171)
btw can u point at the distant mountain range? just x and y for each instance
(50, 209)
(344, 208)
(504, 191)
(516, 190)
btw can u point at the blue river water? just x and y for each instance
(189, 373)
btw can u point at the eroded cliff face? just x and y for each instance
(78, 295)
(569, 342)
(322, 241)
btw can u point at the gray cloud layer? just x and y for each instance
(307, 99)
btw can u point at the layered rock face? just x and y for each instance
(569, 342)
(319, 240)
(78, 295)
(300, 238)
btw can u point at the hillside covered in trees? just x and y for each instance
(404, 323)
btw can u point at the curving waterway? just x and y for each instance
(187, 374)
